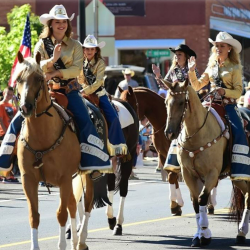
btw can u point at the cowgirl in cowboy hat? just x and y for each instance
(61, 62)
(179, 68)
(128, 81)
(92, 81)
(224, 72)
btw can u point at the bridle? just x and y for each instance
(41, 88)
(187, 104)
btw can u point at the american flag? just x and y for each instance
(25, 49)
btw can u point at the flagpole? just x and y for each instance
(25, 49)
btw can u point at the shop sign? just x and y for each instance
(126, 7)
(157, 53)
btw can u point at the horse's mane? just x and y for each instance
(26, 68)
(144, 89)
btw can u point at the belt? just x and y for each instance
(72, 84)
(60, 82)
(227, 100)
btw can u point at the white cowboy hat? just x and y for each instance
(91, 42)
(224, 37)
(128, 72)
(57, 12)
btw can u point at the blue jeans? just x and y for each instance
(117, 144)
(93, 155)
(240, 167)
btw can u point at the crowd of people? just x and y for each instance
(66, 63)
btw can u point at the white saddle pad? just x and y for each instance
(125, 117)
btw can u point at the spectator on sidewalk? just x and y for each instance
(7, 112)
(128, 81)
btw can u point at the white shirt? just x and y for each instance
(124, 86)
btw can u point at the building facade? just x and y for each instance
(145, 29)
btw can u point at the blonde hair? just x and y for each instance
(232, 56)
(48, 32)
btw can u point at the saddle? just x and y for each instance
(95, 114)
(227, 156)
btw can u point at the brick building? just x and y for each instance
(164, 24)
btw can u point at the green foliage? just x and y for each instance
(10, 41)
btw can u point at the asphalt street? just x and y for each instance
(148, 222)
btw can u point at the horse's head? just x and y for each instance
(175, 104)
(128, 96)
(30, 82)
(131, 97)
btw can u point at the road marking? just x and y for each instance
(224, 211)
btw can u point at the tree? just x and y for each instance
(10, 41)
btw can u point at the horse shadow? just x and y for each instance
(171, 242)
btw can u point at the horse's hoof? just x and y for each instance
(196, 242)
(82, 246)
(117, 230)
(210, 210)
(176, 211)
(112, 223)
(240, 240)
(205, 241)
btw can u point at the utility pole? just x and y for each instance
(95, 12)
(82, 28)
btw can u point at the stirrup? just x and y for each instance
(97, 177)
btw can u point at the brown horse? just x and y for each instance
(47, 150)
(201, 144)
(147, 103)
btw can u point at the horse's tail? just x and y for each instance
(79, 183)
(236, 205)
(118, 176)
(100, 193)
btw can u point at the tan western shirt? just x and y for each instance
(229, 73)
(71, 55)
(97, 68)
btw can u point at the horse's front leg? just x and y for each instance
(88, 203)
(176, 201)
(212, 202)
(62, 214)
(30, 187)
(210, 182)
(171, 163)
(199, 199)
(72, 212)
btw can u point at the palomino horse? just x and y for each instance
(47, 149)
(148, 103)
(115, 182)
(201, 144)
